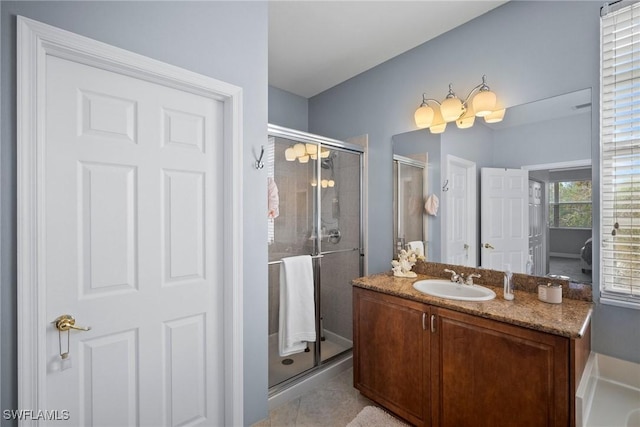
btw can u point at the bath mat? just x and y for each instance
(372, 416)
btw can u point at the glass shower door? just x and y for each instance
(292, 232)
(318, 214)
(340, 247)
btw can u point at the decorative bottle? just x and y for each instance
(529, 265)
(508, 282)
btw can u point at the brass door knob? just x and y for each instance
(66, 322)
(488, 246)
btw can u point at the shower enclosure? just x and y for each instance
(319, 214)
(409, 222)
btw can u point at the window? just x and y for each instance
(620, 156)
(570, 204)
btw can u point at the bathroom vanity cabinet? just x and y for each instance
(435, 366)
(392, 353)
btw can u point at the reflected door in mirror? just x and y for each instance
(504, 218)
(460, 212)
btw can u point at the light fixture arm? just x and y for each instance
(425, 99)
(480, 88)
(451, 94)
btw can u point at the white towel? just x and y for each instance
(417, 246)
(297, 305)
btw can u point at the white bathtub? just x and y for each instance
(609, 393)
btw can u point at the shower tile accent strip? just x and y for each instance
(568, 319)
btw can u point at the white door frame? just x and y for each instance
(559, 165)
(472, 219)
(35, 41)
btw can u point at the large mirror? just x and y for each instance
(542, 149)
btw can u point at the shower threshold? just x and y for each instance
(283, 369)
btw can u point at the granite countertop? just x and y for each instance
(568, 319)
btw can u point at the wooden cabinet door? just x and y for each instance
(486, 373)
(391, 353)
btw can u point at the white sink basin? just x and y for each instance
(447, 289)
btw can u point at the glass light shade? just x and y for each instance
(314, 183)
(289, 154)
(324, 183)
(300, 150)
(424, 116)
(304, 159)
(312, 148)
(438, 128)
(313, 156)
(484, 103)
(495, 116)
(451, 109)
(324, 153)
(331, 183)
(438, 125)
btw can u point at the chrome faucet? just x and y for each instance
(455, 277)
(470, 277)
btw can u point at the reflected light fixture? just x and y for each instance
(480, 102)
(305, 152)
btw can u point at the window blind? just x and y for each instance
(620, 157)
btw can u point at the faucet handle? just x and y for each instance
(454, 275)
(470, 278)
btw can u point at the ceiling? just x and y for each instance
(315, 45)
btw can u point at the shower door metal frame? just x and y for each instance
(317, 255)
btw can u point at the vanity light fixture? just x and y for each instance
(480, 102)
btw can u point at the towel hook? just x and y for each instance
(445, 185)
(259, 163)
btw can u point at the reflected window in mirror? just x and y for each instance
(570, 204)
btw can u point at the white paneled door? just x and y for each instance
(504, 218)
(460, 212)
(131, 243)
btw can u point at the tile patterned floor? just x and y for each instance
(333, 404)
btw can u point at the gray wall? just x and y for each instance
(288, 110)
(224, 40)
(545, 142)
(567, 240)
(523, 63)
